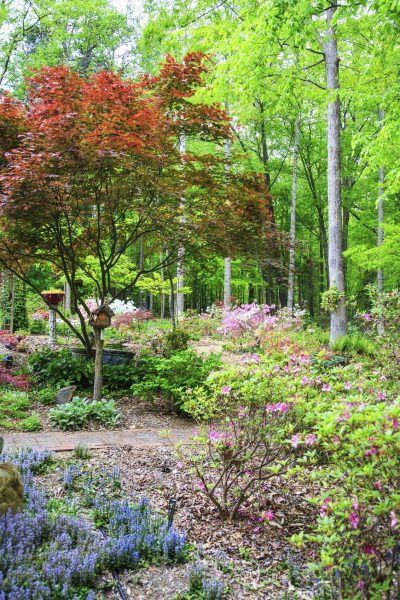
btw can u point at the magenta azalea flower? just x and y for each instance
(354, 520)
(226, 390)
(326, 387)
(394, 520)
(310, 439)
(295, 440)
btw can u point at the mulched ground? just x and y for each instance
(257, 560)
(135, 414)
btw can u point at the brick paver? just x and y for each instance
(62, 441)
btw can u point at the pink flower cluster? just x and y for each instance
(40, 315)
(245, 318)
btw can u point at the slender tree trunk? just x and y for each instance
(379, 274)
(227, 282)
(180, 269)
(140, 265)
(12, 302)
(336, 273)
(290, 300)
(162, 299)
(98, 364)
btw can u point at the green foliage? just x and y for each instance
(15, 407)
(21, 321)
(60, 368)
(356, 344)
(79, 412)
(31, 423)
(82, 452)
(118, 378)
(330, 299)
(171, 377)
(175, 341)
(46, 395)
(39, 327)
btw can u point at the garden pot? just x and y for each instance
(111, 356)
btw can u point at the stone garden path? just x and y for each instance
(59, 441)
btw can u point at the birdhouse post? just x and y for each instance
(99, 320)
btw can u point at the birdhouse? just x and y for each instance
(101, 317)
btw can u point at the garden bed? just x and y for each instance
(253, 561)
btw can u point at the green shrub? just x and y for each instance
(78, 413)
(60, 368)
(105, 413)
(82, 452)
(39, 327)
(171, 377)
(31, 423)
(46, 396)
(175, 341)
(14, 411)
(14, 403)
(355, 344)
(118, 378)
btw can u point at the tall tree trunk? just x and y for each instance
(336, 274)
(180, 269)
(227, 282)
(345, 240)
(227, 260)
(290, 300)
(379, 274)
(162, 299)
(98, 364)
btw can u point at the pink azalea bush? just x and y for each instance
(248, 318)
(335, 421)
(233, 456)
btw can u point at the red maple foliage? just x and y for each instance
(91, 165)
(20, 382)
(129, 318)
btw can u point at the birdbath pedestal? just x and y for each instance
(53, 299)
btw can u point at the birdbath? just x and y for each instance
(52, 298)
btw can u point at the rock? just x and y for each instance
(1, 444)
(11, 488)
(65, 394)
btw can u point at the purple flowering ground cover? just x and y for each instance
(54, 549)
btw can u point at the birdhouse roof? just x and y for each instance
(103, 309)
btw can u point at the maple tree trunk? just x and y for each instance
(290, 300)
(98, 365)
(335, 255)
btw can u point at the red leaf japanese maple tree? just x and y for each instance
(90, 165)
